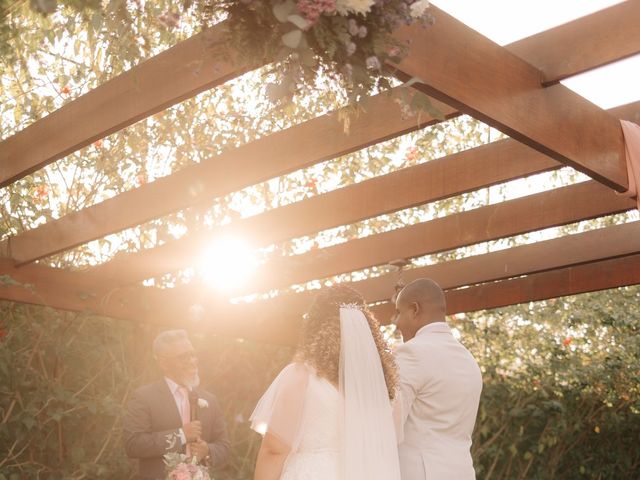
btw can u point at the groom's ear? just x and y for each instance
(415, 307)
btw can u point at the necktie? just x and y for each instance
(185, 410)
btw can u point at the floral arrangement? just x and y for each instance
(180, 467)
(349, 41)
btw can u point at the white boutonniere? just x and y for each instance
(202, 403)
(172, 440)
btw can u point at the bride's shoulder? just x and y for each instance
(296, 372)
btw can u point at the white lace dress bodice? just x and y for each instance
(316, 457)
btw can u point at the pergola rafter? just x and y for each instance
(460, 67)
(512, 88)
(277, 154)
(435, 180)
(186, 70)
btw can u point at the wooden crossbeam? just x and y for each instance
(271, 156)
(65, 290)
(583, 44)
(435, 180)
(466, 70)
(595, 245)
(174, 75)
(535, 212)
(84, 292)
(94, 294)
(589, 277)
(630, 112)
(188, 69)
(572, 258)
(569, 265)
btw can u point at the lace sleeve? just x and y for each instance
(280, 409)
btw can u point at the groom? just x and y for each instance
(441, 384)
(172, 414)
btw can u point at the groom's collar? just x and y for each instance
(435, 327)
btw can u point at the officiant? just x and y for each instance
(173, 414)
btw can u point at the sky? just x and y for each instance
(505, 21)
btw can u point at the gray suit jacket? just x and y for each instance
(152, 414)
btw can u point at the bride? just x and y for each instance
(331, 414)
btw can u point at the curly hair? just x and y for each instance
(319, 344)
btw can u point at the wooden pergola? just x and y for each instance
(515, 89)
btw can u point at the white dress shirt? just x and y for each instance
(182, 403)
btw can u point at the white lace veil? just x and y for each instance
(369, 450)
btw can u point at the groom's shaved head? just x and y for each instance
(426, 293)
(418, 304)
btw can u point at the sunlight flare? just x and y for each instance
(228, 263)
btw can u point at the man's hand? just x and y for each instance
(199, 449)
(192, 431)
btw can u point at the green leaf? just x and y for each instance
(29, 422)
(96, 21)
(307, 57)
(282, 10)
(298, 21)
(292, 39)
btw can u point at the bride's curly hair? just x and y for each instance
(319, 344)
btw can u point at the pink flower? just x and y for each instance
(312, 9)
(412, 154)
(180, 472)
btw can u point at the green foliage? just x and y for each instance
(561, 397)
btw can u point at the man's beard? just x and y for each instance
(192, 382)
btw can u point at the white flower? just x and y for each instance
(344, 7)
(418, 8)
(202, 403)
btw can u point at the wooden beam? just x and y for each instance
(535, 212)
(283, 326)
(65, 290)
(590, 246)
(198, 183)
(184, 188)
(583, 44)
(94, 295)
(617, 245)
(188, 69)
(435, 180)
(630, 112)
(575, 280)
(278, 320)
(274, 155)
(595, 245)
(466, 70)
(174, 75)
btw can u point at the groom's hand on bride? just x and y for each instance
(192, 430)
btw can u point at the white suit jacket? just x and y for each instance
(440, 389)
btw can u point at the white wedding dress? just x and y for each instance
(318, 452)
(346, 433)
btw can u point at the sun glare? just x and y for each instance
(228, 263)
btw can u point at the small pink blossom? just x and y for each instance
(312, 9)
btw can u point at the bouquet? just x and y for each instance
(351, 41)
(181, 467)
